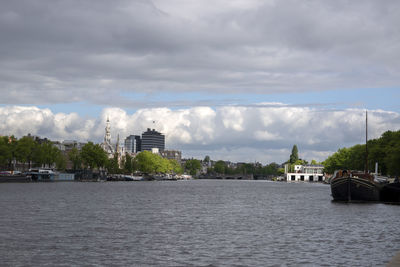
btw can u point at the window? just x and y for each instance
(293, 177)
(311, 178)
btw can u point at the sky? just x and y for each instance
(239, 80)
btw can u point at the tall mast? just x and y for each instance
(366, 141)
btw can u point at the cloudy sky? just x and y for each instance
(240, 80)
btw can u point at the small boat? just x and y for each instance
(391, 192)
(14, 177)
(354, 186)
(41, 175)
(133, 178)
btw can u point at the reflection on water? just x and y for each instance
(202, 223)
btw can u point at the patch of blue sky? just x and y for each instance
(383, 98)
(365, 98)
(81, 108)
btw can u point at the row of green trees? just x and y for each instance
(93, 156)
(192, 166)
(384, 150)
(256, 169)
(29, 152)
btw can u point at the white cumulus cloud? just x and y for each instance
(258, 133)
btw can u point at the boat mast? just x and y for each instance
(366, 141)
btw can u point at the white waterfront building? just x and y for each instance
(305, 173)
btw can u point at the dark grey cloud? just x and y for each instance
(95, 51)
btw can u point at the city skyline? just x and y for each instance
(239, 80)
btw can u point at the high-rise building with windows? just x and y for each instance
(133, 144)
(153, 139)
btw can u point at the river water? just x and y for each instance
(191, 223)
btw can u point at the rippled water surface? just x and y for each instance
(191, 223)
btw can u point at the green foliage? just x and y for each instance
(93, 156)
(295, 155)
(128, 164)
(112, 165)
(271, 169)
(24, 149)
(280, 171)
(145, 162)
(176, 167)
(5, 151)
(60, 160)
(220, 167)
(392, 161)
(27, 150)
(75, 157)
(148, 162)
(193, 166)
(384, 150)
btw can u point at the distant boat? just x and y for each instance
(356, 185)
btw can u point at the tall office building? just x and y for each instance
(153, 139)
(133, 144)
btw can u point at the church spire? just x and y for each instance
(107, 136)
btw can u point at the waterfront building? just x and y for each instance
(133, 144)
(152, 139)
(70, 144)
(38, 139)
(172, 154)
(305, 173)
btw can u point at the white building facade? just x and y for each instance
(305, 173)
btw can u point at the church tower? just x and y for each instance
(107, 136)
(106, 145)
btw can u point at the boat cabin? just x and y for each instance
(41, 175)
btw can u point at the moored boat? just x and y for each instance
(41, 175)
(354, 186)
(391, 193)
(14, 178)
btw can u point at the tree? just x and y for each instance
(271, 169)
(24, 150)
(60, 160)
(93, 156)
(392, 161)
(75, 157)
(38, 155)
(220, 167)
(148, 162)
(176, 167)
(338, 160)
(193, 166)
(145, 162)
(5, 151)
(112, 164)
(128, 164)
(295, 155)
